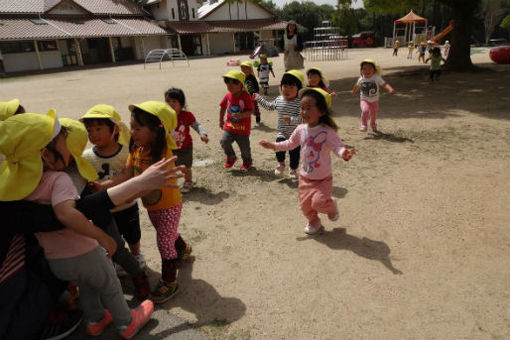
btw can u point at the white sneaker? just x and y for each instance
(279, 170)
(141, 260)
(311, 230)
(119, 270)
(292, 173)
(335, 215)
(363, 128)
(186, 187)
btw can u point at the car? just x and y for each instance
(363, 39)
(498, 42)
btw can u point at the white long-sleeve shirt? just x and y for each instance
(283, 107)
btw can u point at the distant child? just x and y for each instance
(421, 51)
(39, 144)
(263, 71)
(181, 135)
(10, 108)
(396, 46)
(317, 138)
(435, 63)
(410, 49)
(317, 79)
(238, 106)
(251, 85)
(369, 83)
(287, 105)
(446, 47)
(151, 123)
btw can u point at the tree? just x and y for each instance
(505, 23)
(492, 12)
(346, 18)
(307, 14)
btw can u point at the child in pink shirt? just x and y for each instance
(317, 138)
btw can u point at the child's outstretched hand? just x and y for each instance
(333, 94)
(254, 96)
(204, 138)
(348, 153)
(266, 144)
(95, 186)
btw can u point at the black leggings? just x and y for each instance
(293, 155)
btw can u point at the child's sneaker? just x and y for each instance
(311, 230)
(279, 170)
(62, 326)
(293, 173)
(141, 260)
(139, 317)
(257, 119)
(230, 162)
(374, 127)
(363, 128)
(164, 291)
(142, 287)
(186, 187)
(185, 254)
(119, 270)
(246, 166)
(96, 328)
(334, 216)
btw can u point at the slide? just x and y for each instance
(443, 32)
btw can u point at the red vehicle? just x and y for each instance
(363, 39)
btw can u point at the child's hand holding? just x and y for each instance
(286, 119)
(348, 153)
(95, 186)
(204, 138)
(108, 243)
(266, 144)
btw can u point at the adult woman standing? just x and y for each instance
(292, 46)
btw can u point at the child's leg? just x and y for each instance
(305, 193)
(244, 145)
(256, 111)
(226, 143)
(374, 107)
(365, 111)
(122, 256)
(294, 157)
(321, 200)
(280, 155)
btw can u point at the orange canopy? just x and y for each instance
(410, 17)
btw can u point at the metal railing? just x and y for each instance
(158, 55)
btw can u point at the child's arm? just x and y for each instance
(201, 131)
(266, 144)
(389, 88)
(272, 73)
(222, 116)
(426, 60)
(74, 220)
(355, 89)
(123, 176)
(243, 114)
(289, 144)
(271, 106)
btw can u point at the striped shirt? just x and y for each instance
(284, 107)
(14, 260)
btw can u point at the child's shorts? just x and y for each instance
(184, 156)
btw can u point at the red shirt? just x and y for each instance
(235, 104)
(181, 134)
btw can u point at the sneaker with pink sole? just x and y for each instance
(139, 317)
(97, 328)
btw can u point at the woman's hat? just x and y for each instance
(8, 109)
(103, 111)
(76, 141)
(297, 74)
(372, 61)
(166, 115)
(21, 139)
(235, 74)
(327, 96)
(324, 79)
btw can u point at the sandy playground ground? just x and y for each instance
(422, 246)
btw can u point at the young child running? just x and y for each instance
(369, 83)
(38, 143)
(410, 49)
(421, 51)
(435, 63)
(263, 71)
(317, 79)
(287, 106)
(252, 86)
(184, 152)
(317, 137)
(151, 123)
(396, 46)
(238, 105)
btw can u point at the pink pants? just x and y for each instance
(315, 198)
(366, 109)
(166, 222)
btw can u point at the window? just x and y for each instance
(173, 13)
(17, 47)
(47, 45)
(193, 13)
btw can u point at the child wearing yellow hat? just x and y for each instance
(287, 106)
(110, 139)
(317, 79)
(263, 71)
(369, 83)
(238, 106)
(317, 138)
(396, 46)
(421, 51)
(251, 85)
(410, 49)
(446, 47)
(36, 144)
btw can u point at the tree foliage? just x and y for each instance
(307, 14)
(346, 18)
(492, 12)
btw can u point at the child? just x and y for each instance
(38, 143)
(446, 48)
(316, 79)
(435, 63)
(263, 71)
(238, 105)
(369, 83)
(10, 108)
(151, 123)
(410, 49)
(108, 156)
(421, 51)
(287, 105)
(396, 46)
(317, 137)
(251, 85)
(184, 152)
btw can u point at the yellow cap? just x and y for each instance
(235, 74)
(8, 109)
(76, 142)
(447, 42)
(166, 115)
(263, 56)
(372, 61)
(247, 64)
(324, 79)
(327, 96)
(297, 74)
(21, 139)
(104, 111)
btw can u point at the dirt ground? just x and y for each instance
(422, 246)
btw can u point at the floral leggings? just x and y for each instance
(166, 222)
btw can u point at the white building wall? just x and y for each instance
(221, 43)
(149, 43)
(161, 11)
(164, 10)
(14, 62)
(238, 11)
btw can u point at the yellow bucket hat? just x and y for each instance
(8, 109)
(263, 56)
(324, 79)
(372, 61)
(108, 112)
(247, 64)
(76, 142)
(327, 96)
(297, 74)
(235, 74)
(21, 139)
(166, 115)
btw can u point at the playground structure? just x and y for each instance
(267, 47)
(158, 55)
(327, 44)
